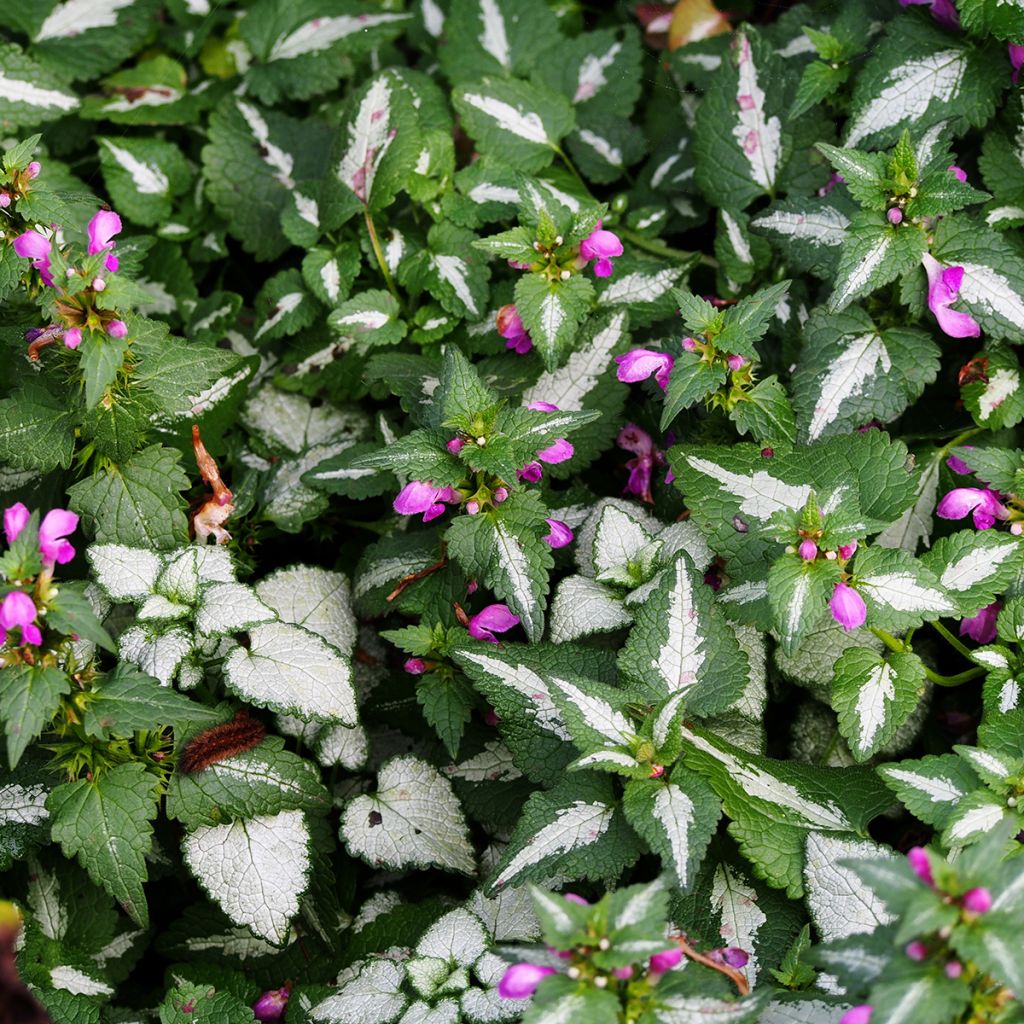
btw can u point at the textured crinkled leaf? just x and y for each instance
(373, 996)
(931, 787)
(414, 819)
(900, 591)
(124, 573)
(582, 607)
(256, 870)
(35, 430)
(289, 669)
(371, 318)
(809, 231)
(229, 608)
(874, 253)
(29, 698)
(317, 599)
(974, 566)
(29, 92)
(156, 649)
(143, 176)
(292, 423)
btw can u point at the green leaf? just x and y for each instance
(143, 175)
(932, 787)
(283, 307)
(32, 92)
(329, 273)
(72, 612)
(798, 592)
(819, 81)
(975, 566)
(932, 995)
(766, 414)
(447, 707)
(874, 696)
(35, 430)
(520, 122)
(106, 824)
(451, 270)
(101, 357)
(137, 503)
(745, 324)
(691, 380)
(874, 253)
(552, 312)
(808, 231)
(865, 175)
(186, 999)
(29, 698)
(370, 318)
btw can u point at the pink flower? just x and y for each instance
(983, 503)
(601, 245)
(943, 290)
(520, 981)
(117, 328)
(16, 518)
(954, 969)
(18, 611)
(500, 494)
(689, 345)
(662, 962)
(958, 172)
(495, 618)
(422, 496)
(415, 666)
(1016, 60)
(958, 465)
(542, 407)
(981, 626)
(732, 956)
(270, 1006)
(859, 1014)
(573, 897)
(916, 950)
(917, 858)
(977, 901)
(510, 327)
(33, 169)
(835, 179)
(622, 973)
(847, 607)
(808, 550)
(640, 363)
(846, 551)
(5, 200)
(36, 247)
(560, 451)
(455, 445)
(531, 473)
(560, 534)
(102, 228)
(641, 469)
(736, 362)
(56, 525)
(894, 215)
(946, 15)
(72, 337)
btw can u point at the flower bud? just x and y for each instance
(858, 1015)
(894, 215)
(415, 666)
(736, 362)
(33, 169)
(808, 550)
(72, 337)
(846, 550)
(977, 901)
(472, 507)
(270, 1006)
(662, 962)
(917, 858)
(98, 284)
(916, 950)
(954, 969)
(689, 345)
(117, 329)
(500, 494)
(5, 200)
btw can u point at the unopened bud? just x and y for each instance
(977, 901)
(1016, 529)
(954, 969)
(117, 329)
(565, 275)
(98, 284)
(573, 973)
(604, 944)
(916, 950)
(472, 507)
(455, 445)
(33, 169)
(600, 981)
(808, 550)
(5, 200)
(689, 345)
(559, 239)
(894, 215)
(846, 550)
(415, 666)
(736, 362)
(500, 494)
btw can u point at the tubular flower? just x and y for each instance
(943, 290)
(102, 228)
(15, 519)
(981, 626)
(36, 247)
(520, 981)
(18, 611)
(601, 245)
(983, 504)
(917, 858)
(641, 469)
(510, 327)
(858, 1015)
(560, 451)
(531, 473)
(946, 15)
(422, 496)
(1016, 61)
(641, 363)
(55, 527)
(662, 962)
(560, 534)
(271, 1005)
(847, 607)
(495, 618)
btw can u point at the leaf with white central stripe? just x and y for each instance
(874, 695)
(932, 787)
(592, 718)
(256, 869)
(974, 817)
(143, 176)
(873, 254)
(552, 312)
(975, 566)
(30, 93)
(681, 642)
(370, 318)
(809, 231)
(414, 819)
(900, 591)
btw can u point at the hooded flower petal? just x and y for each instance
(983, 503)
(601, 245)
(72, 337)
(641, 363)
(981, 626)
(15, 519)
(560, 534)
(18, 611)
(495, 618)
(510, 327)
(943, 11)
(943, 290)
(858, 1015)
(422, 496)
(917, 858)
(56, 525)
(560, 451)
(31, 245)
(520, 981)
(662, 962)
(847, 607)
(635, 439)
(271, 1005)
(1016, 61)
(102, 228)
(531, 473)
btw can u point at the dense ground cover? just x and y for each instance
(512, 510)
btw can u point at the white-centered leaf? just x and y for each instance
(740, 918)
(847, 377)
(124, 573)
(229, 608)
(314, 598)
(761, 495)
(374, 996)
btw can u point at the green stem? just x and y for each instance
(952, 640)
(572, 168)
(958, 680)
(381, 262)
(960, 438)
(889, 640)
(656, 248)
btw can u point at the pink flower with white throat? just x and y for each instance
(102, 228)
(495, 618)
(31, 245)
(53, 531)
(944, 285)
(602, 246)
(641, 363)
(18, 611)
(422, 496)
(982, 503)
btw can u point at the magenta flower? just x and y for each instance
(500, 494)
(117, 329)
(847, 607)
(455, 445)
(953, 969)
(958, 465)
(917, 858)
(834, 179)
(641, 469)
(510, 327)
(731, 956)
(18, 611)
(531, 473)
(859, 1014)
(415, 666)
(542, 407)
(5, 200)
(56, 525)
(808, 550)
(560, 451)
(894, 215)
(641, 363)
(422, 496)
(16, 517)
(977, 901)
(270, 1006)
(102, 228)
(846, 551)
(520, 981)
(916, 950)
(736, 363)
(981, 626)
(983, 503)
(1016, 60)
(601, 245)
(959, 173)
(560, 534)
(946, 15)
(33, 170)
(495, 618)
(72, 337)
(943, 290)
(31, 245)
(574, 897)
(662, 962)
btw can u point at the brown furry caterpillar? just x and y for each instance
(220, 742)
